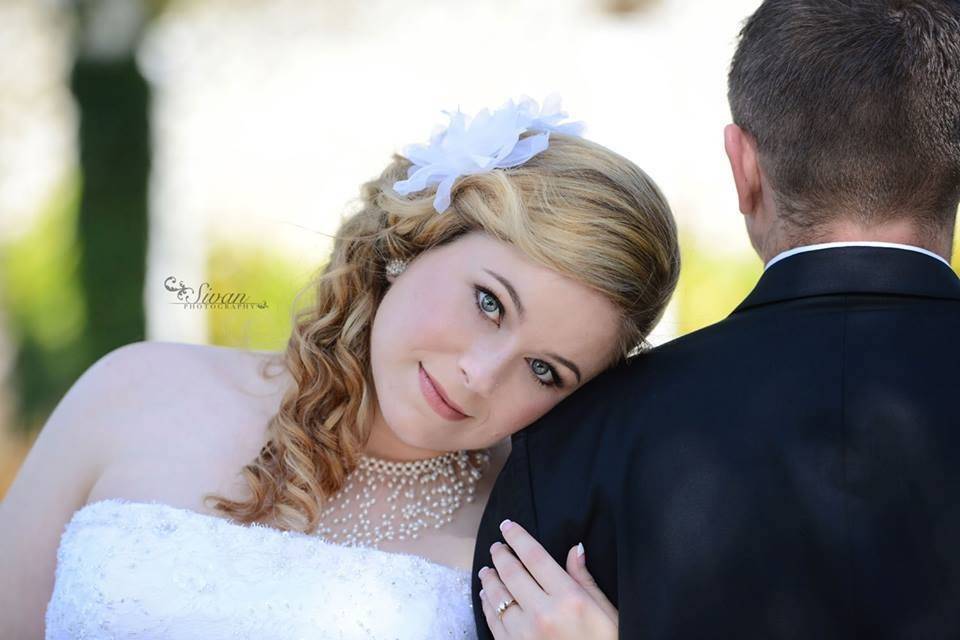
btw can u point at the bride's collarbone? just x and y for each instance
(178, 482)
(176, 468)
(188, 435)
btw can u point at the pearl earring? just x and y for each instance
(395, 267)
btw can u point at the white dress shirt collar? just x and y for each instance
(828, 245)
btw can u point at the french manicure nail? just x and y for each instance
(505, 525)
(580, 550)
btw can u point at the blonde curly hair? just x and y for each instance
(577, 208)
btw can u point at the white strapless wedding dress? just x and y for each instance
(130, 569)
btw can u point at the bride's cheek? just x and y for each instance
(524, 410)
(440, 316)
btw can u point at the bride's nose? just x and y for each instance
(483, 370)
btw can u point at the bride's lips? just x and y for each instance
(436, 397)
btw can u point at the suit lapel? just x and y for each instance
(849, 270)
(520, 501)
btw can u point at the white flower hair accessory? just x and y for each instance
(486, 142)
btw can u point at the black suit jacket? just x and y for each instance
(790, 472)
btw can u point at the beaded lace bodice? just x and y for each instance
(148, 570)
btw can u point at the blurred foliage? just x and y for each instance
(711, 284)
(955, 254)
(47, 309)
(264, 276)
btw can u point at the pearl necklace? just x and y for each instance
(418, 494)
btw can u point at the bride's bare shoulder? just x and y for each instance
(184, 418)
(167, 385)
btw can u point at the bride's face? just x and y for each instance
(500, 337)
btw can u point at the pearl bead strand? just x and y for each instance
(419, 494)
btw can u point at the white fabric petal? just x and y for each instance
(442, 200)
(488, 141)
(525, 149)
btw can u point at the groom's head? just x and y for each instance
(847, 122)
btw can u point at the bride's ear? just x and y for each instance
(741, 150)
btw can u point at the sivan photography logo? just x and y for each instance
(206, 298)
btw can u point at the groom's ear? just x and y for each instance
(742, 152)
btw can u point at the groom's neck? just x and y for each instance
(906, 232)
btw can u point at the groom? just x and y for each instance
(794, 470)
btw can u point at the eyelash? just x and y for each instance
(557, 380)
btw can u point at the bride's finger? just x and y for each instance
(490, 615)
(552, 577)
(516, 577)
(496, 593)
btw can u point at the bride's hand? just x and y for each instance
(550, 603)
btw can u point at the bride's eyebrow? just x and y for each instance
(510, 290)
(568, 364)
(519, 305)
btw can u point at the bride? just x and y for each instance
(334, 490)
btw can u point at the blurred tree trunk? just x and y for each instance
(112, 224)
(113, 102)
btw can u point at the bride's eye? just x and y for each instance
(488, 303)
(541, 368)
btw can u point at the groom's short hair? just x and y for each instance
(855, 107)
